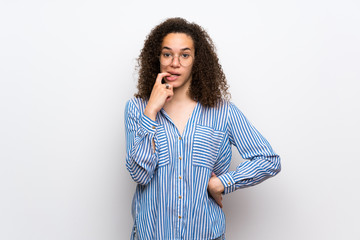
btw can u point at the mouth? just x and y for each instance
(173, 76)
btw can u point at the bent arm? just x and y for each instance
(141, 156)
(262, 162)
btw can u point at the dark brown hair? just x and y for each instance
(208, 84)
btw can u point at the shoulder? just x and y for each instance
(136, 102)
(215, 117)
(219, 106)
(223, 107)
(135, 105)
(227, 110)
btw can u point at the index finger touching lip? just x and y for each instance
(161, 76)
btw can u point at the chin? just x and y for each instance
(178, 85)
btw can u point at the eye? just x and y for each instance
(185, 55)
(166, 55)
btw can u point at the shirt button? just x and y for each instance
(179, 217)
(180, 197)
(229, 183)
(179, 138)
(180, 177)
(180, 158)
(153, 127)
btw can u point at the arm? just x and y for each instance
(141, 157)
(262, 162)
(141, 141)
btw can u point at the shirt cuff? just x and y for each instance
(148, 125)
(228, 182)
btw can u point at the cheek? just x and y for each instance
(162, 69)
(189, 71)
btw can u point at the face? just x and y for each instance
(180, 48)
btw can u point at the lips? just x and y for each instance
(173, 76)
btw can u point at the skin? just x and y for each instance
(175, 100)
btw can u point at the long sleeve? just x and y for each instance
(262, 162)
(141, 159)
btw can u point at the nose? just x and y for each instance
(175, 62)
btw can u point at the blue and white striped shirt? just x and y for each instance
(171, 199)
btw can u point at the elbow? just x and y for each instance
(276, 165)
(138, 174)
(140, 180)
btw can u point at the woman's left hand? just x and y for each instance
(215, 188)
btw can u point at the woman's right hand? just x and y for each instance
(158, 97)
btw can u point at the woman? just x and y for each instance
(179, 128)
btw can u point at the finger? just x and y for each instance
(160, 76)
(168, 86)
(219, 201)
(170, 94)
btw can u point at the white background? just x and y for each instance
(67, 69)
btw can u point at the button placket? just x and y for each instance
(179, 164)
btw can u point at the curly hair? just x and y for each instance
(208, 84)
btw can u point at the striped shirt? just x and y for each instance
(171, 200)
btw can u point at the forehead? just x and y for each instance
(178, 41)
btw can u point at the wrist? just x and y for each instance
(228, 182)
(150, 113)
(216, 184)
(219, 186)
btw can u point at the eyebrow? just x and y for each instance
(183, 49)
